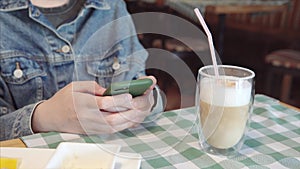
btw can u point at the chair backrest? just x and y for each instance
(284, 58)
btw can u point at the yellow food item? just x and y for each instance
(9, 163)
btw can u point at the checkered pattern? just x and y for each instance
(186, 7)
(171, 141)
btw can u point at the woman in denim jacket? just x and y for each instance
(56, 59)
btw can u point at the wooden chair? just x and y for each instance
(287, 64)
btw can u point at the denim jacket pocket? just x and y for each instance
(112, 66)
(23, 75)
(104, 75)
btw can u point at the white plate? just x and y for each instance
(84, 155)
(30, 157)
(37, 158)
(128, 161)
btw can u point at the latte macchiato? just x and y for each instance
(224, 110)
(224, 100)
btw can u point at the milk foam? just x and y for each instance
(225, 92)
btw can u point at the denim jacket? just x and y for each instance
(37, 59)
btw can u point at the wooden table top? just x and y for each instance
(12, 143)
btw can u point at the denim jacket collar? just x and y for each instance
(13, 5)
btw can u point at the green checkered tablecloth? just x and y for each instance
(186, 7)
(171, 141)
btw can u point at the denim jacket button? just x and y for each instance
(116, 66)
(37, 14)
(65, 49)
(18, 73)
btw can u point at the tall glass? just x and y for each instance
(224, 105)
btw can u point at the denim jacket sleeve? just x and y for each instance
(13, 123)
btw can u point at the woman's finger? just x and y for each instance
(90, 87)
(153, 84)
(144, 102)
(115, 102)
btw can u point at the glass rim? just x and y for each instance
(251, 76)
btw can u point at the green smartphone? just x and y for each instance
(134, 87)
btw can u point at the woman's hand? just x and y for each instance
(80, 108)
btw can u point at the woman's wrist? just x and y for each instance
(37, 121)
